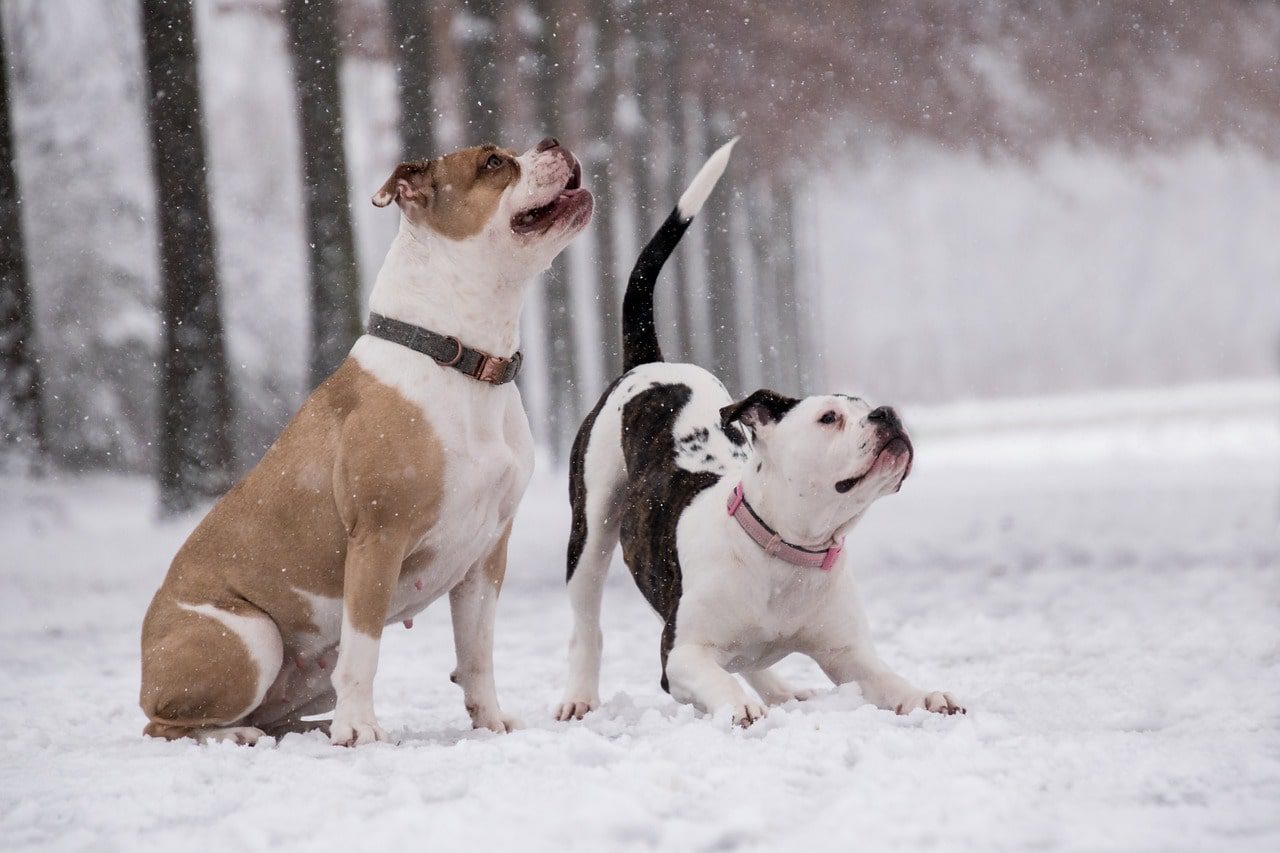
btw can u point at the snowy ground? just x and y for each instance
(1106, 599)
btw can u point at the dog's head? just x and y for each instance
(821, 460)
(523, 207)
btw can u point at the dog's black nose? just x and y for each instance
(885, 415)
(547, 144)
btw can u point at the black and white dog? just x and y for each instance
(731, 516)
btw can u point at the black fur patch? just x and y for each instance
(639, 337)
(657, 493)
(761, 407)
(578, 486)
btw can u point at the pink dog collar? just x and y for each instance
(773, 544)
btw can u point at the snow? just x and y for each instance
(1110, 616)
(1077, 269)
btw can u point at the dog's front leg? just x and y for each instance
(372, 566)
(696, 678)
(881, 686)
(473, 604)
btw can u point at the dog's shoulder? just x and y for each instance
(668, 417)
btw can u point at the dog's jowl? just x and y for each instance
(394, 484)
(732, 518)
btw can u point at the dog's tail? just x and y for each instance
(639, 336)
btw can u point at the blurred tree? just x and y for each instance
(478, 29)
(761, 256)
(602, 82)
(653, 142)
(553, 83)
(416, 71)
(671, 159)
(795, 352)
(21, 420)
(195, 435)
(721, 286)
(335, 276)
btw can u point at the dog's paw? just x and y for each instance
(937, 703)
(747, 713)
(495, 721)
(800, 694)
(575, 709)
(239, 735)
(351, 731)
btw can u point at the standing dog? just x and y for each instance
(732, 518)
(395, 483)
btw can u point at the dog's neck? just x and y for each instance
(452, 288)
(795, 520)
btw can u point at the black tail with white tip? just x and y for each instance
(639, 335)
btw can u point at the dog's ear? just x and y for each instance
(410, 182)
(760, 409)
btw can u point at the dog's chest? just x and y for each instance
(485, 476)
(487, 452)
(773, 610)
(749, 606)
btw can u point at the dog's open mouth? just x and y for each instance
(887, 456)
(570, 201)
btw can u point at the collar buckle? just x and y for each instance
(496, 369)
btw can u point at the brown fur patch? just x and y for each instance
(495, 567)
(357, 473)
(218, 675)
(454, 195)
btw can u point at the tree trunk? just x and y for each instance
(335, 277)
(195, 436)
(671, 150)
(483, 82)
(21, 421)
(554, 82)
(600, 167)
(720, 271)
(415, 58)
(794, 350)
(659, 164)
(763, 256)
(648, 87)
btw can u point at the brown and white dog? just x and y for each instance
(395, 483)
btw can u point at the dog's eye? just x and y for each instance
(828, 418)
(494, 162)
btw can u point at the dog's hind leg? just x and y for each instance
(773, 688)
(205, 668)
(596, 479)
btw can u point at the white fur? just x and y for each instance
(472, 605)
(742, 610)
(354, 722)
(326, 616)
(303, 682)
(239, 735)
(699, 189)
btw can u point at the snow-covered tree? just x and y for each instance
(21, 417)
(335, 277)
(195, 436)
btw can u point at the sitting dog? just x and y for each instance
(732, 518)
(395, 483)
